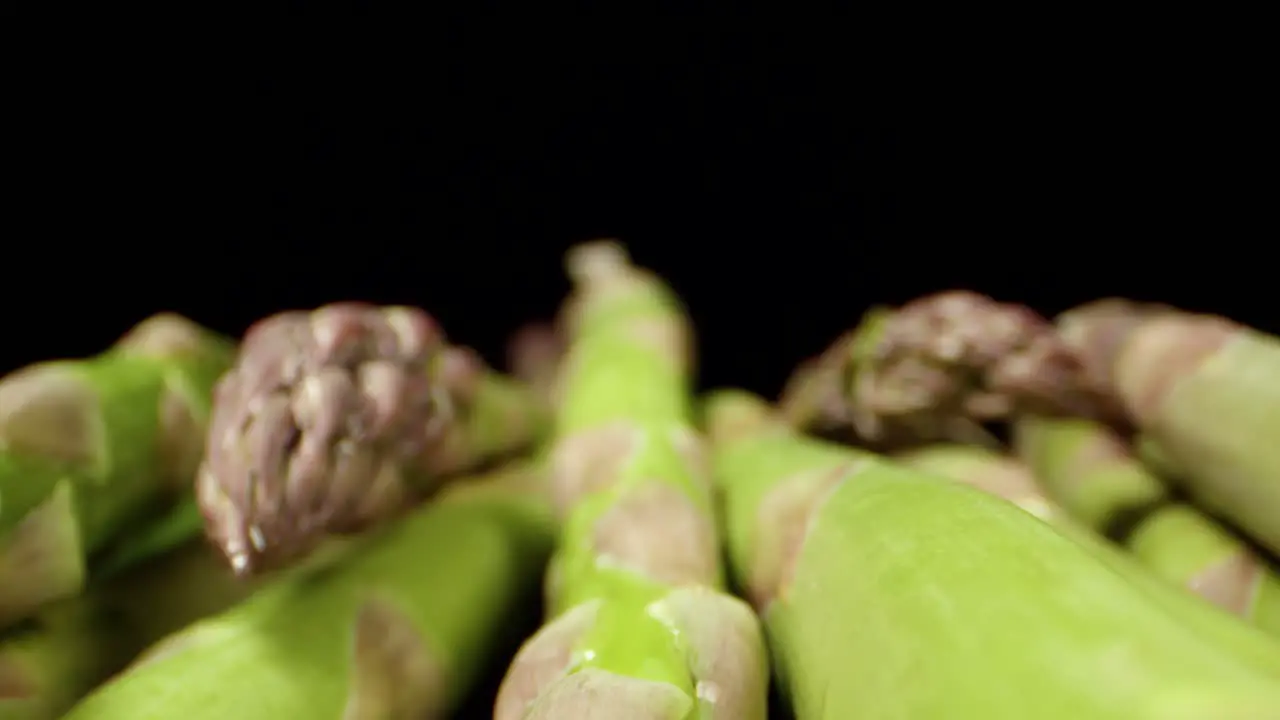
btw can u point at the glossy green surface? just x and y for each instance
(914, 596)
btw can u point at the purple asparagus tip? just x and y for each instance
(312, 429)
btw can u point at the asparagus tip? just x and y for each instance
(165, 335)
(958, 358)
(596, 260)
(312, 428)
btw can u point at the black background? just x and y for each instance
(780, 196)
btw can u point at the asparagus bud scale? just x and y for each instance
(332, 420)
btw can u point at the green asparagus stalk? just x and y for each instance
(71, 647)
(388, 631)
(641, 629)
(1005, 477)
(986, 470)
(1090, 472)
(88, 447)
(1205, 392)
(336, 420)
(1153, 457)
(888, 592)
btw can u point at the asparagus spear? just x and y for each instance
(1204, 391)
(890, 593)
(641, 630)
(331, 421)
(938, 369)
(942, 366)
(985, 470)
(389, 631)
(90, 446)
(1155, 570)
(71, 647)
(1092, 474)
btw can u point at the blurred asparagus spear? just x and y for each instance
(90, 446)
(71, 647)
(1090, 472)
(938, 369)
(1013, 480)
(987, 470)
(890, 593)
(1203, 391)
(333, 421)
(394, 629)
(640, 629)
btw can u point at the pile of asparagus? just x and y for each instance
(960, 509)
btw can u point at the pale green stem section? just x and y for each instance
(73, 646)
(1086, 470)
(1153, 565)
(1090, 472)
(1217, 429)
(906, 595)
